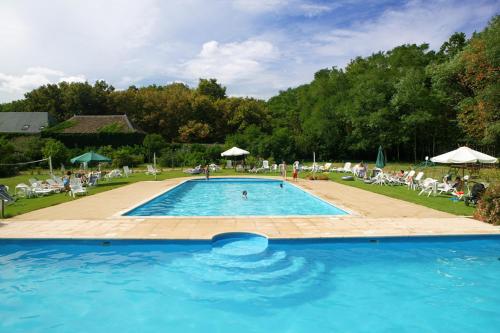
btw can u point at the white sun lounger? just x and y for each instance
(151, 170)
(126, 171)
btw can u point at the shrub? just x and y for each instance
(6, 156)
(488, 208)
(126, 156)
(317, 176)
(153, 143)
(251, 161)
(56, 149)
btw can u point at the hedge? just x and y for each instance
(97, 139)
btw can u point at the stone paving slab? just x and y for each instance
(374, 215)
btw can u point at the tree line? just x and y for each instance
(413, 101)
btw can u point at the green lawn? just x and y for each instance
(23, 205)
(442, 203)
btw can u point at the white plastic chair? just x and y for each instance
(428, 186)
(151, 170)
(126, 170)
(417, 181)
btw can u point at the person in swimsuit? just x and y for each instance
(245, 194)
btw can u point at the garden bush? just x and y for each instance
(488, 208)
(317, 176)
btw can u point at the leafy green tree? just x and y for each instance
(453, 45)
(55, 149)
(153, 143)
(210, 87)
(194, 131)
(7, 150)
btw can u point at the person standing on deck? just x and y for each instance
(207, 172)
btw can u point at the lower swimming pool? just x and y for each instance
(224, 197)
(243, 283)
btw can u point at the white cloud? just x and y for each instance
(17, 85)
(260, 5)
(44, 71)
(292, 7)
(73, 78)
(231, 62)
(260, 46)
(312, 10)
(416, 23)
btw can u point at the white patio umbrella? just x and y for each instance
(235, 151)
(464, 155)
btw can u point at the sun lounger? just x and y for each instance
(76, 188)
(54, 185)
(24, 191)
(93, 178)
(115, 173)
(126, 171)
(40, 189)
(58, 180)
(194, 171)
(214, 167)
(314, 167)
(345, 168)
(265, 167)
(326, 167)
(428, 186)
(151, 170)
(417, 181)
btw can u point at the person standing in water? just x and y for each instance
(244, 194)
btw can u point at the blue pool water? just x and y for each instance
(245, 284)
(223, 197)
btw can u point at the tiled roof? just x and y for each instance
(23, 122)
(95, 124)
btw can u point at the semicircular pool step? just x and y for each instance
(245, 263)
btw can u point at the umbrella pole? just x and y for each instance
(50, 169)
(154, 163)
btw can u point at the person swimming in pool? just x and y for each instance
(245, 195)
(281, 185)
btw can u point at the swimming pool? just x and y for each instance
(223, 197)
(245, 284)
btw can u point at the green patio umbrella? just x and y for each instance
(380, 163)
(89, 158)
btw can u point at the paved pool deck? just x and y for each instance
(99, 217)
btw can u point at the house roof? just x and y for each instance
(23, 122)
(96, 124)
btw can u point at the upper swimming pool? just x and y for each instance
(223, 197)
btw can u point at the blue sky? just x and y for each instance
(254, 47)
